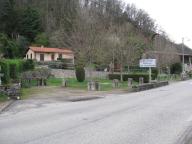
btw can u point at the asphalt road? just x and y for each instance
(158, 116)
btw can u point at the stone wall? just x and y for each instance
(60, 73)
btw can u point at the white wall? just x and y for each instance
(29, 53)
(47, 56)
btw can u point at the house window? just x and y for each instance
(41, 57)
(52, 57)
(31, 56)
(60, 56)
(27, 56)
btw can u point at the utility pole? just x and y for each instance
(183, 57)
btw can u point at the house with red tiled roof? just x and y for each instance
(49, 54)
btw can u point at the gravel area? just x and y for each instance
(4, 105)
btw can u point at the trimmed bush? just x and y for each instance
(5, 71)
(20, 66)
(136, 69)
(176, 68)
(28, 65)
(57, 65)
(63, 64)
(14, 71)
(135, 77)
(80, 74)
(155, 72)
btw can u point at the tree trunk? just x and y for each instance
(121, 73)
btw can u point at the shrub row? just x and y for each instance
(80, 73)
(12, 68)
(57, 65)
(176, 68)
(5, 71)
(135, 77)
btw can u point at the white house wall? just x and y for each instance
(47, 56)
(29, 54)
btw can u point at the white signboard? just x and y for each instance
(147, 63)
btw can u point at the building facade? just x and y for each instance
(49, 54)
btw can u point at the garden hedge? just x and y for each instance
(14, 71)
(5, 70)
(135, 76)
(28, 65)
(11, 68)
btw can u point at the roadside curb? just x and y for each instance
(149, 86)
(5, 106)
(82, 98)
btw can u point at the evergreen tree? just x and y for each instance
(41, 39)
(23, 44)
(8, 17)
(8, 47)
(29, 23)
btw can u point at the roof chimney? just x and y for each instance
(42, 46)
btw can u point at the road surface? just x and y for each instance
(158, 116)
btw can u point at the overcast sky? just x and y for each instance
(174, 16)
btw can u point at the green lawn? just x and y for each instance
(26, 91)
(54, 82)
(105, 85)
(73, 83)
(3, 98)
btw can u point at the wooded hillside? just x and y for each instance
(99, 31)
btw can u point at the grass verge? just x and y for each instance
(3, 98)
(105, 84)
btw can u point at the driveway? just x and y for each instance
(42, 96)
(158, 116)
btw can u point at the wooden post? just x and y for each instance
(115, 83)
(141, 80)
(64, 83)
(130, 82)
(150, 75)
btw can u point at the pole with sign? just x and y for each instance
(148, 63)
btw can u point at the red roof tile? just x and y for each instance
(51, 50)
